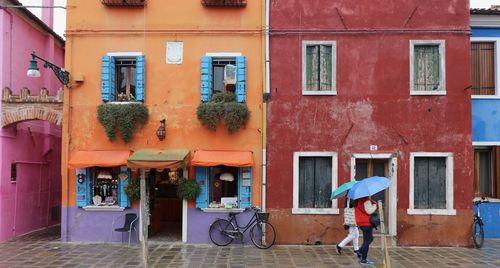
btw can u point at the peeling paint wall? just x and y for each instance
(373, 106)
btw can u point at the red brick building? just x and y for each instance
(360, 89)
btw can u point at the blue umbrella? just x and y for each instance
(341, 191)
(368, 187)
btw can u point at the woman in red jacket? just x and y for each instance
(364, 208)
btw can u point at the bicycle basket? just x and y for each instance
(263, 216)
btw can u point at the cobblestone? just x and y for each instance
(44, 249)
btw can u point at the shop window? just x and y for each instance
(485, 170)
(123, 78)
(314, 178)
(224, 187)
(431, 184)
(221, 73)
(318, 67)
(98, 186)
(483, 68)
(427, 67)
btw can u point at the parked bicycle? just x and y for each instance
(477, 225)
(263, 235)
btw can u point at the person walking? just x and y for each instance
(364, 207)
(352, 236)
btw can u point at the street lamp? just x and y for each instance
(60, 73)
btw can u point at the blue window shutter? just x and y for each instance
(241, 79)
(83, 191)
(140, 78)
(206, 82)
(202, 180)
(245, 187)
(108, 78)
(124, 201)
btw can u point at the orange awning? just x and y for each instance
(228, 158)
(84, 159)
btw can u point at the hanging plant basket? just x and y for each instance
(123, 117)
(188, 189)
(133, 190)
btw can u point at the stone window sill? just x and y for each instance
(103, 208)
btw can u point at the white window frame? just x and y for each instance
(497, 60)
(442, 67)
(296, 210)
(333, 91)
(449, 185)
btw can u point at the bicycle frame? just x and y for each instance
(249, 224)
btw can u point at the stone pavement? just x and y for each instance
(44, 249)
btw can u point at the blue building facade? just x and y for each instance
(485, 73)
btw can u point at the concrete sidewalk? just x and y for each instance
(43, 249)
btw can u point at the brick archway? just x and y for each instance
(24, 107)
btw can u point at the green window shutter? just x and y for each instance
(430, 183)
(206, 82)
(325, 67)
(306, 182)
(426, 67)
(108, 78)
(245, 187)
(312, 67)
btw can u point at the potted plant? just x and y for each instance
(188, 189)
(133, 190)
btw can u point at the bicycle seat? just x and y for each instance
(232, 214)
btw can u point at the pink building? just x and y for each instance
(30, 182)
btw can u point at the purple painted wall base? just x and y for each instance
(199, 223)
(95, 226)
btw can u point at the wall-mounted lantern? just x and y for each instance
(60, 73)
(161, 133)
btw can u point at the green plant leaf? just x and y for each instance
(188, 189)
(209, 114)
(235, 116)
(126, 117)
(133, 189)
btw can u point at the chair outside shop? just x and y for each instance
(128, 225)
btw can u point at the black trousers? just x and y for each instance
(367, 240)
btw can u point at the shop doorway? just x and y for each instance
(368, 165)
(166, 209)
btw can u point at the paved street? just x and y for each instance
(43, 249)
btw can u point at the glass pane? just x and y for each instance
(326, 68)
(218, 79)
(121, 80)
(312, 68)
(132, 81)
(484, 172)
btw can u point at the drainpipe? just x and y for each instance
(264, 106)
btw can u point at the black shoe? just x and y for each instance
(358, 254)
(338, 249)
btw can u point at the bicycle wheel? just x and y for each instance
(219, 230)
(477, 234)
(263, 235)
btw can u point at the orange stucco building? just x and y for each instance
(154, 54)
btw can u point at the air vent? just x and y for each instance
(224, 3)
(137, 3)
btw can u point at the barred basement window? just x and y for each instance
(13, 172)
